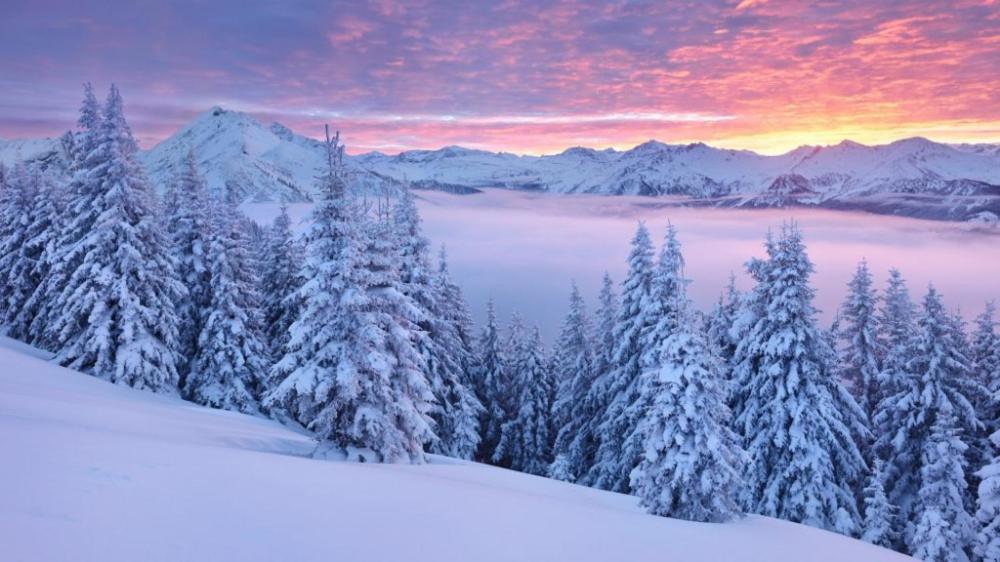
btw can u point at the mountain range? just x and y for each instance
(912, 177)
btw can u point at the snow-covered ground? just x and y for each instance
(91, 471)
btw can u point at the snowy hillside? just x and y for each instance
(94, 471)
(915, 176)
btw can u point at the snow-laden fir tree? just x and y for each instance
(691, 465)
(280, 280)
(611, 467)
(583, 447)
(115, 317)
(935, 382)
(493, 384)
(189, 227)
(514, 345)
(352, 373)
(18, 201)
(456, 311)
(456, 409)
(861, 352)
(987, 542)
(879, 514)
(573, 366)
(231, 356)
(43, 301)
(719, 330)
(47, 219)
(799, 426)
(943, 529)
(525, 442)
(985, 355)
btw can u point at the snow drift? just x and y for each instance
(93, 471)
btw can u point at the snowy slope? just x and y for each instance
(95, 472)
(912, 176)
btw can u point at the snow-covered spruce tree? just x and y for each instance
(934, 383)
(861, 352)
(878, 527)
(987, 543)
(18, 203)
(352, 373)
(692, 463)
(47, 219)
(611, 468)
(573, 367)
(524, 439)
(514, 345)
(943, 529)
(663, 311)
(583, 447)
(280, 280)
(800, 427)
(493, 384)
(985, 348)
(456, 409)
(115, 317)
(456, 311)
(719, 330)
(231, 356)
(63, 239)
(189, 227)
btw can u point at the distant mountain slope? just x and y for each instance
(915, 176)
(97, 472)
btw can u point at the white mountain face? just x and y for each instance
(915, 176)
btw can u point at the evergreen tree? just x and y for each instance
(860, 358)
(524, 438)
(612, 466)
(18, 204)
(583, 447)
(943, 530)
(573, 367)
(231, 355)
(691, 465)
(799, 426)
(352, 373)
(935, 383)
(456, 409)
(44, 301)
(719, 331)
(987, 544)
(280, 279)
(493, 384)
(878, 525)
(985, 355)
(115, 316)
(189, 227)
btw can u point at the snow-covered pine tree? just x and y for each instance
(18, 202)
(800, 427)
(456, 311)
(943, 530)
(189, 227)
(525, 443)
(231, 356)
(985, 348)
(280, 279)
(692, 463)
(861, 352)
(493, 384)
(43, 301)
(720, 323)
(573, 366)
(514, 346)
(934, 382)
(456, 409)
(352, 373)
(987, 543)
(611, 469)
(879, 514)
(115, 316)
(47, 220)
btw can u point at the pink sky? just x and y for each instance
(526, 77)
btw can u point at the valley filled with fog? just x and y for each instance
(523, 248)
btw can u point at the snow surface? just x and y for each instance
(93, 471)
